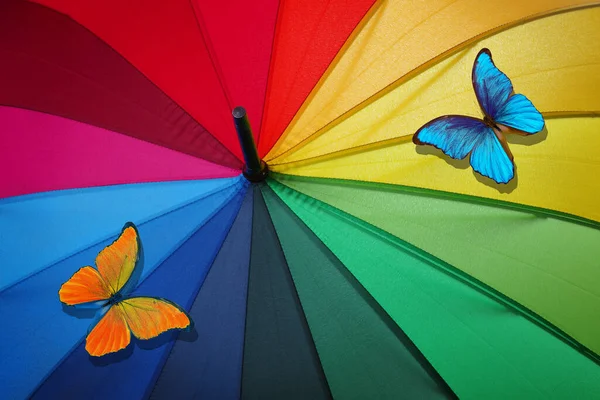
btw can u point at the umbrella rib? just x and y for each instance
(212, 262)
(409, 110)
(197, 293)
(270, 73)
(346, 152)
(154, 217)
(306, 49)
(374, 60)
(211, 52)
(206, 220)
(126, 99)
(456, 273)
(571, 114)
(441, 194)
(247, 296)
(224, 148)
(289, 272)
(93, 82)
(370, 14)
(385, 316)
(366, 17)
(421, 68)
(380, 144)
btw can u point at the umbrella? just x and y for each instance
(318, 251)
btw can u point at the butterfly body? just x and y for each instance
(491, 123)
(117, 297)
(107, 288)
(458, 136)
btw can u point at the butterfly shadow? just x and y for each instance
(513, 139)
(500, 187)
(188, 335)
(465, 164)
(528, 140)
(113, 358)
(80, 312)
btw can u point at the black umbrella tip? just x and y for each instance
(239, 112)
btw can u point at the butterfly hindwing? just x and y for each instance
(490, 159)
(145, 317)
(457, 136)
(85, 286)
(148, 317)
(110, 334)
(117, 262)
(519, 113)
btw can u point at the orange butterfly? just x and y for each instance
(145, 317)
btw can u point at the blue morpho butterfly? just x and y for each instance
(458, 135)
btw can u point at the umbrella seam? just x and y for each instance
(419, 356)
(289, 272)
(204, 34)
(461, 276)
(147, 220)
(165, 358)
(428, 64)
(177, 247)
(227, 150)
(270, 72)
(539, 212)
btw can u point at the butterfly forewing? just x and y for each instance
(455, 135)
(494, 92)
(85, 286)
(117, 261)
(492, 87)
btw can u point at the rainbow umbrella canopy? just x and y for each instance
(349, 262)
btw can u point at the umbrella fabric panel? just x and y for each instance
(482, 348)
(545, 61)
(234, 31)
(548, 265)
(309, 35)
(54, 65)
(41, 332)
(207, 362)
(132, 373)
(543, 58)
(410, 36)
(560, 173)
(280, 359)
(164, 42)
(363, 352)
(45, 152)
(62, 223)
